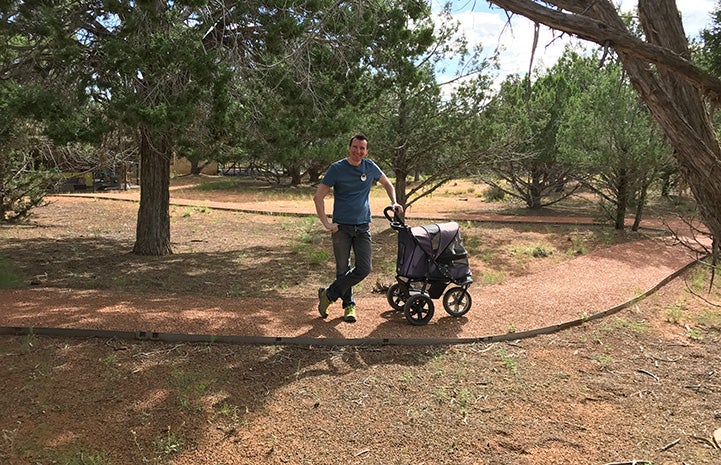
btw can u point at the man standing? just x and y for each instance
(351, 179)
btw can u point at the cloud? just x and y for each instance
(512, 40)
(696, 14)
(490, 27)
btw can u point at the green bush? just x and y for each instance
(22, 187)
(494, 194)
(9, 279)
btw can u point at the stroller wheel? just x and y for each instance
(397, 295)
(457, 301)
(418, 309)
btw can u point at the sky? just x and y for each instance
(487, 25)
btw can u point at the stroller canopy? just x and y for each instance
(434, 250)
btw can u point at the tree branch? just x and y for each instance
(600, 32)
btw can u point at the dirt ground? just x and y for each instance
(641, 386)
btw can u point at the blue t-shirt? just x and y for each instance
(351, 190)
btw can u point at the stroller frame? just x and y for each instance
(425, 271)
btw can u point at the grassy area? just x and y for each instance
(9, 277)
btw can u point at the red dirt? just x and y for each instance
(640, 386)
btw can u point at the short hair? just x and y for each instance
(359, 136)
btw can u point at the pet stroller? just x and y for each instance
(430, 259)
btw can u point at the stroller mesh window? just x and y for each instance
(412, 261)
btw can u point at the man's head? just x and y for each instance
(357, 149)
(358, 137)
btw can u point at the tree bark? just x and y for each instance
(294, 174)
(680, 109)
(400, 169)
(153, 228)
(643, 194)
(401, 186)
(536, 187)
(622, 196)
(674, 89)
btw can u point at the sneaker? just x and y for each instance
(323, 303)
(349, 315)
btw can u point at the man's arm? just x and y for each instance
(388, 185)
(319, 199)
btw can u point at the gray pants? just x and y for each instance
(355, 237)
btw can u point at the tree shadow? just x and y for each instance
(102, 263)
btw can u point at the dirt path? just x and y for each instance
(568, 398)
(584, 286)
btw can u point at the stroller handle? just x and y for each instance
(396, 220)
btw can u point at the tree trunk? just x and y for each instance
(153, 228)
(680, 110)
(196, 167)
(535, 190)
(294, 173)
(400, 169)
(642, 196)
(666, 184)
(400, 187)
(622, 196)
(670, 88)
(314, 173)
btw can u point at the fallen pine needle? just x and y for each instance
(670, 444)
(632, 462)
(705, 441)
(649, 374)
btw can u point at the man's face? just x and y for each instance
(357, 150)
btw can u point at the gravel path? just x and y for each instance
(584, 286)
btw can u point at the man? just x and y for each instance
(351, 179)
